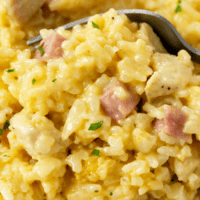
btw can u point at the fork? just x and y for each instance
(170, 38)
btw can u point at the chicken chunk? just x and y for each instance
(37, 135)
(148, 35)
(170, 74)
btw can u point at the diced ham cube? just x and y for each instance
(23, 10)
(118, 101)
(173, 123)
(51, 46)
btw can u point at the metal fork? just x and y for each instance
(171, 39)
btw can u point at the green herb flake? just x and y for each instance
(41, 49)
(10, 70)
(33, 81)
(178, 7)
(96, 152)
(6, 125)
(54, 80)
(95, 126)
(95, 25)
(6, 156)
(111, 193)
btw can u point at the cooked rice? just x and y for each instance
(47, 151)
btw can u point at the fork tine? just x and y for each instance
(34, 40)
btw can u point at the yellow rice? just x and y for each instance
(47, 152)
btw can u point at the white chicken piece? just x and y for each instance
(37, 135)
(23, 10)
(148, 35)
(171, 73)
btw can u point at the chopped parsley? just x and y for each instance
(54, 80)
(178, 7)
(111, 193)
(96, 152)
(95, 126)
(33, 81)
(6, 156)
(95, 25)
(6, 125)
(41, 49)
(10, 70)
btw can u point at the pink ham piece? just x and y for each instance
(116, 107)
(23, 10)
(173, 123)
(51, 46)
